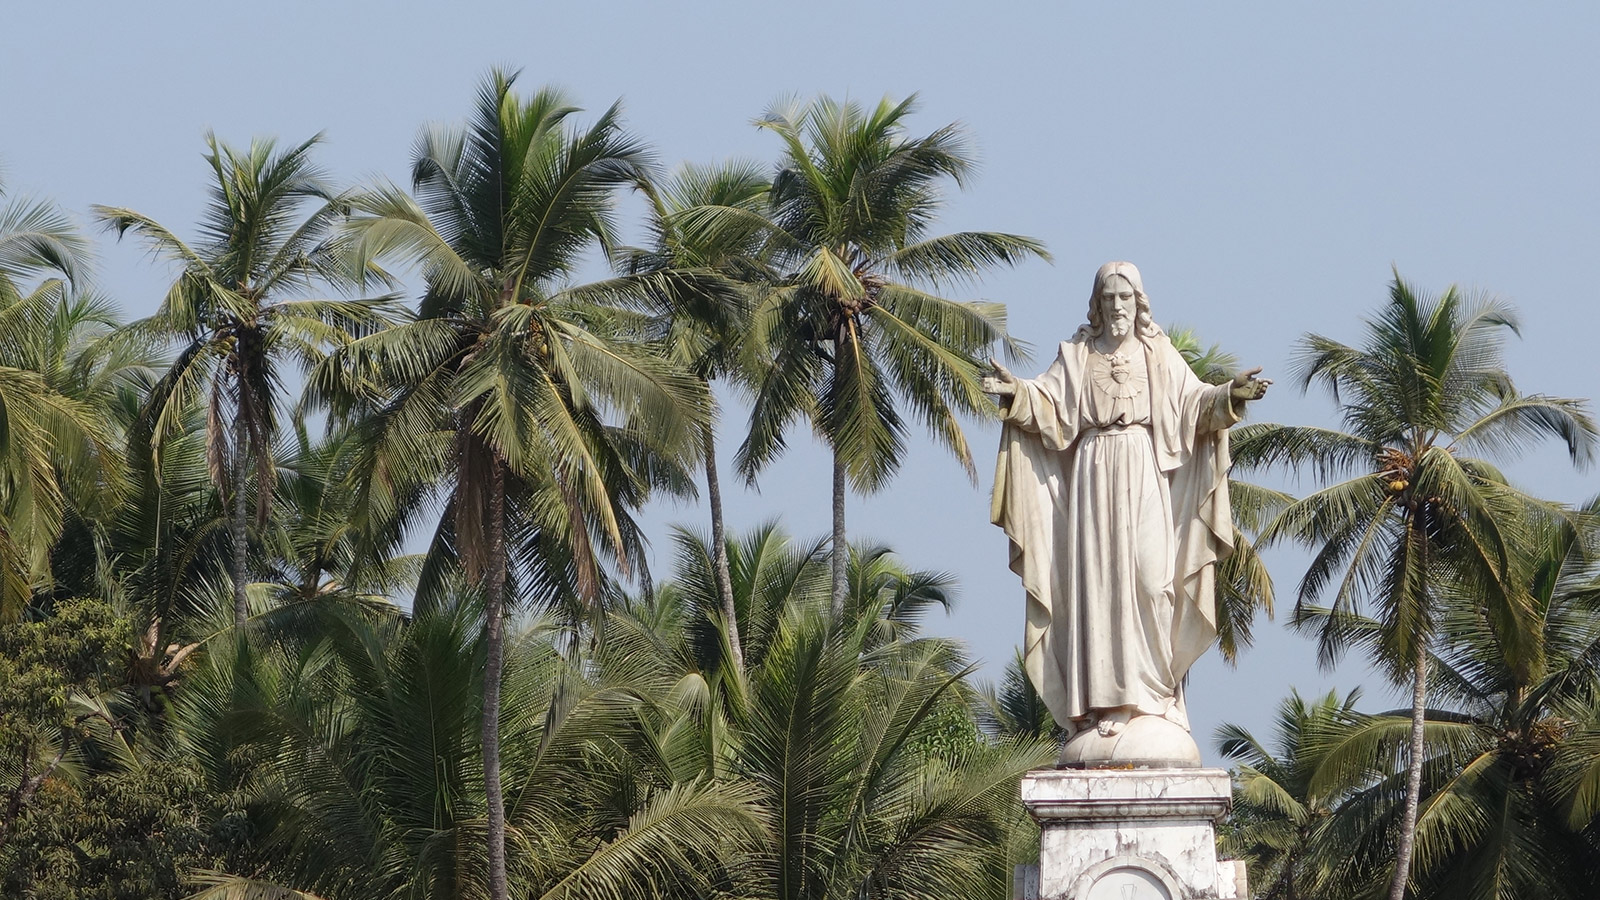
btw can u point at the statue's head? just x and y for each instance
(1118, 302)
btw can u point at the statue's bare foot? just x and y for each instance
(1112, 722)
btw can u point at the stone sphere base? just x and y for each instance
(1144, 742)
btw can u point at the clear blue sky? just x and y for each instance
(1264, 163)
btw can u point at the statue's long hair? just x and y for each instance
(1144, 326)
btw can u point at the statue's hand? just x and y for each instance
(1001, 383)
(1246, 386)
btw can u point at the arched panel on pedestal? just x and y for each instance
(1128, 878)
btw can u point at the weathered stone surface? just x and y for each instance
(1129, 834)
(1231, 882)
(1148, 741)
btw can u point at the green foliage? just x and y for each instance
(233, 326)
(1417, 532)
(757, 725)
(859, 733)
(1282, 802)
(357, 756)
(89, 805)
(78, 650)
(847, 329)
(1014, 707)
(58, 457)
(133, 834)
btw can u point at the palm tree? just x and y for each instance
(354, 755)
(1503, 812)
(889, 599)
(314, 543)
(61, 460)
(859, 736)
(38, 238)
(839, 740)
(1212, 364)
(234, 328)
(165, 546)
(1508, 821)
(58, 455)
(496, 397)
(769, 572)
(1243, 583)
(703, 322)
(1013, 707)
(1416, 519)
(853, 328)
(1280, 804)
(772, 575)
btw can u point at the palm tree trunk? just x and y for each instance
(494, 662)
(841, 547)
(237, 525)
(719, 550)
(1408, 820)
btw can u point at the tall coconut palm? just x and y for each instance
(1416, 519)
(508, 397)
(703, 322)
(1502, 814)
(855, 330)
(234, 315)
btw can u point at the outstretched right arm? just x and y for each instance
(1034, 405)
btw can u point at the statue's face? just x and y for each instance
(1118, 305)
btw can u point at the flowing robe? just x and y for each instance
(1117, 512)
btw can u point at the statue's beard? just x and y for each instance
(1120, 326)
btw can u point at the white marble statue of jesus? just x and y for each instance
(1112, 487)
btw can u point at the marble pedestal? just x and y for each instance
(1129, 834)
